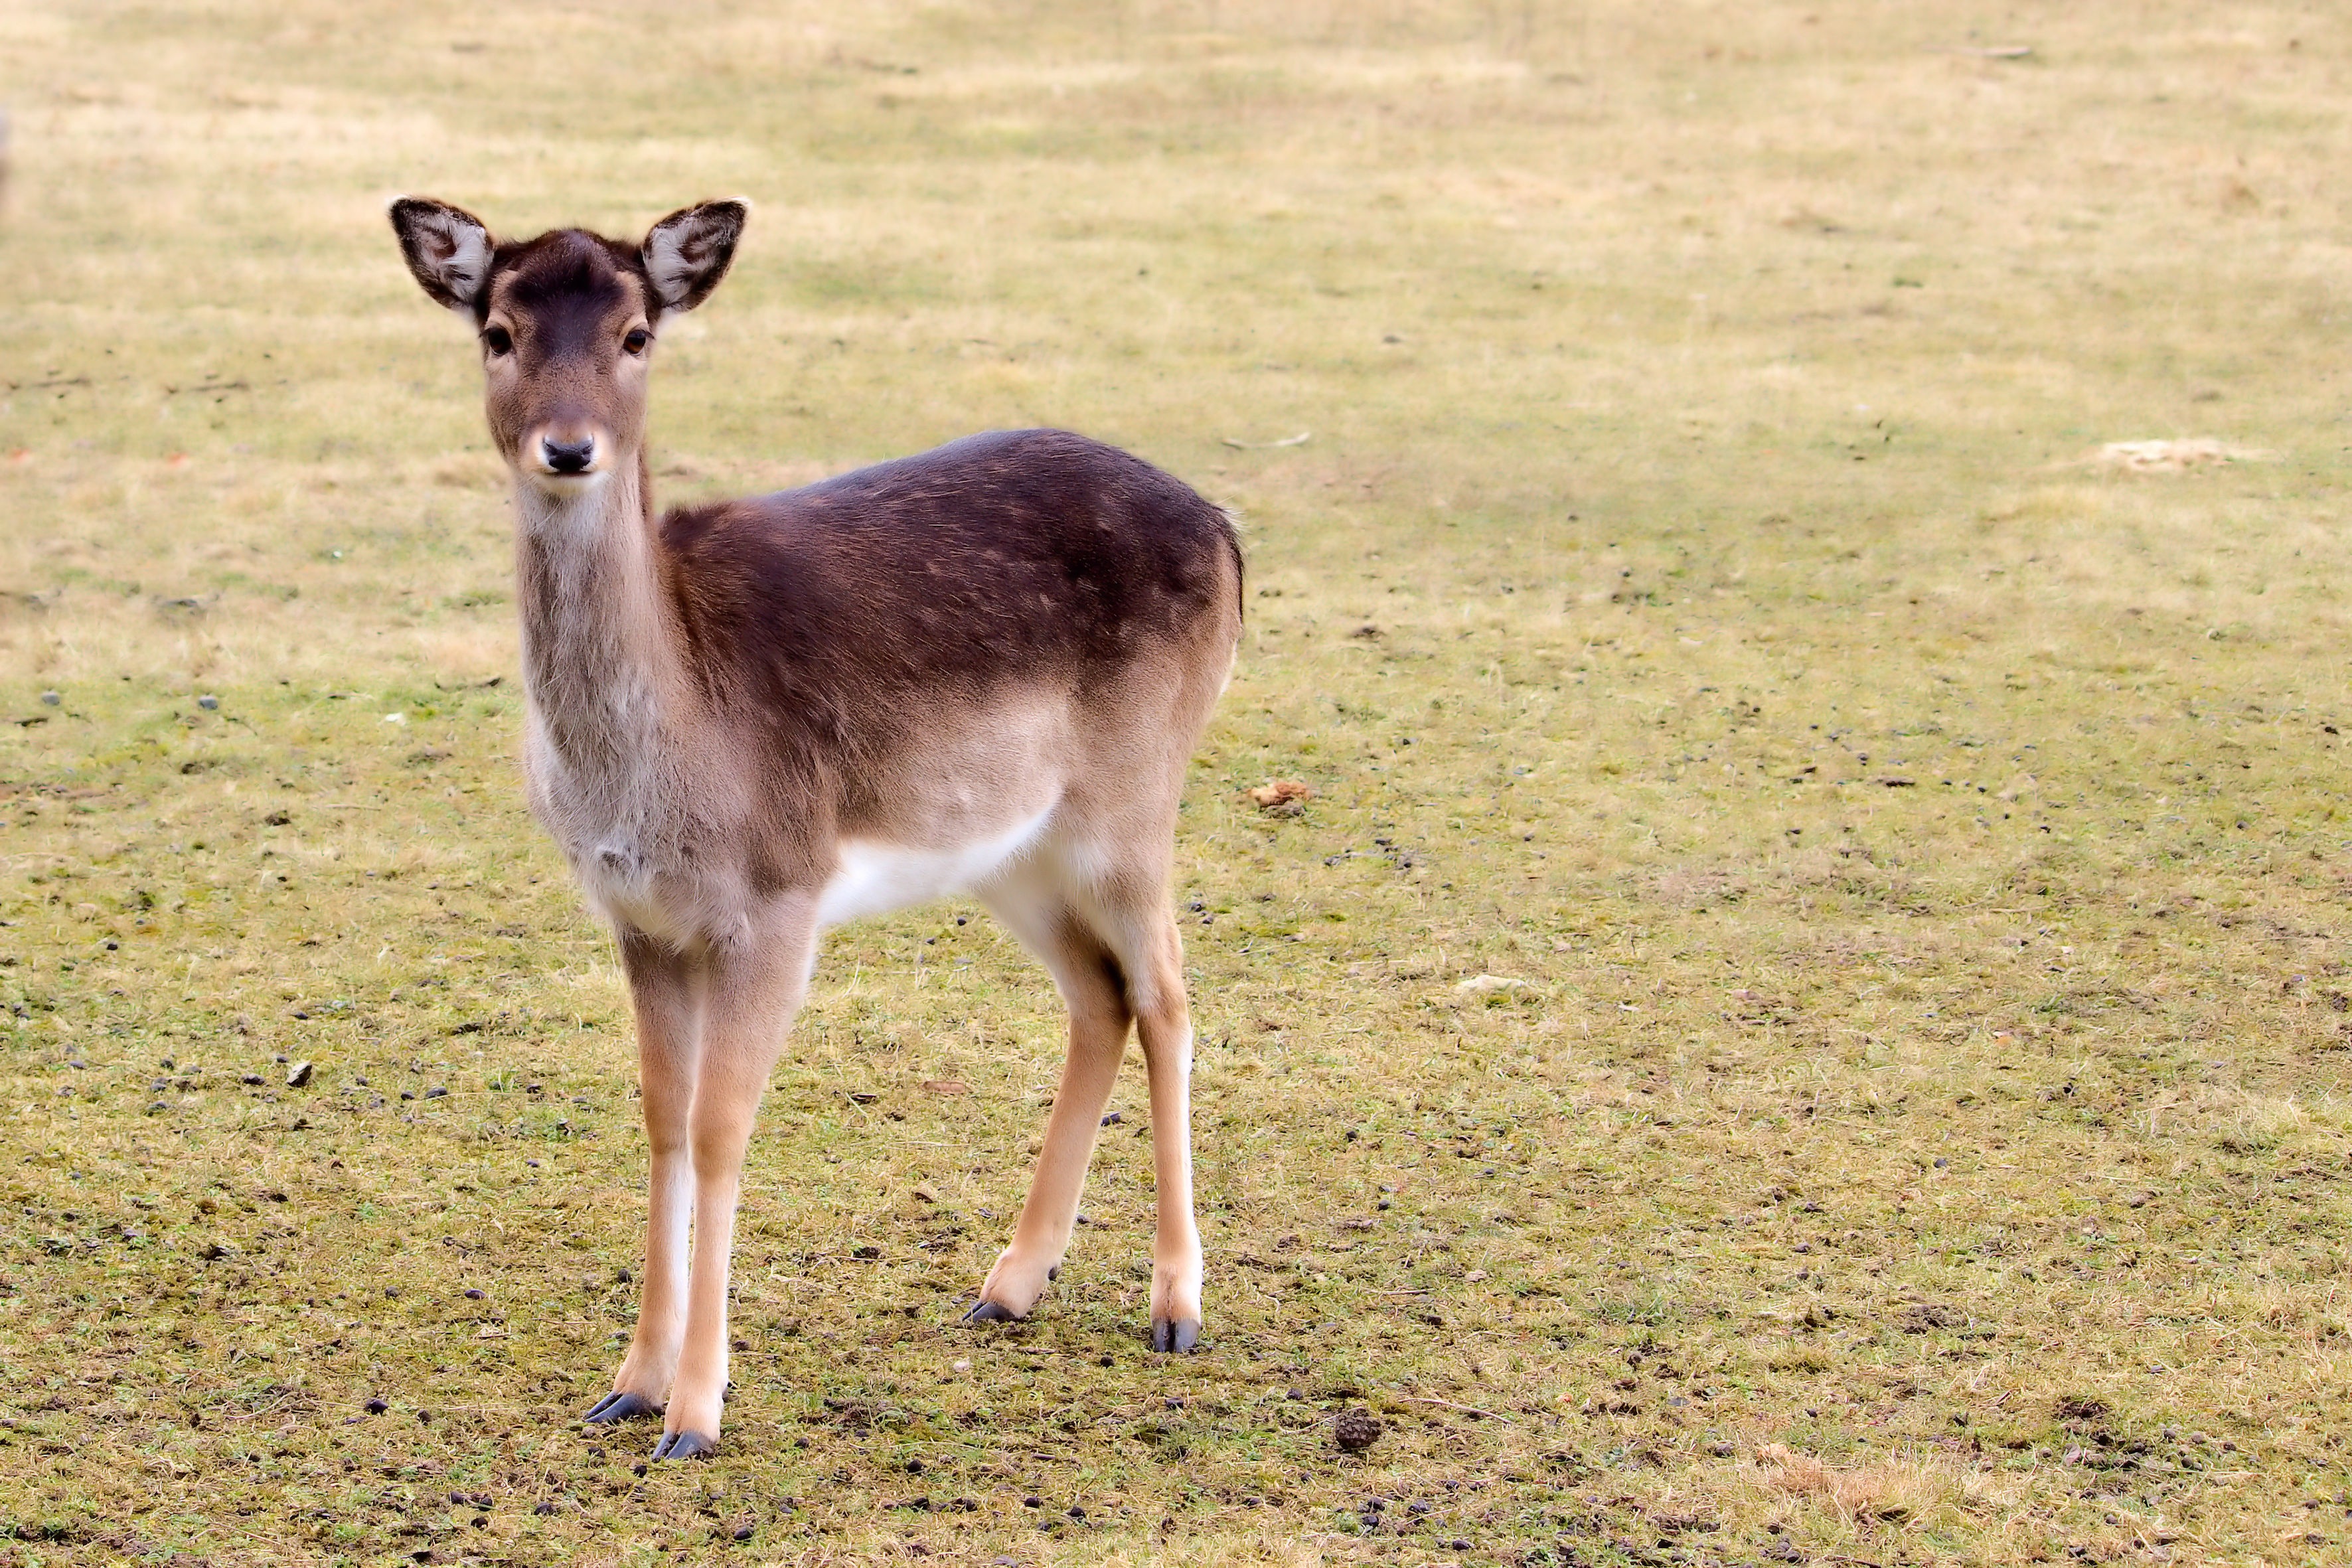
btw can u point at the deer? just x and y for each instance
(980, 671)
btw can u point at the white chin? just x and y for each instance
(568, 486)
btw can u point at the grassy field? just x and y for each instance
(1808, 1018)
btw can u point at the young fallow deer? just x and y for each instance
(981, 669)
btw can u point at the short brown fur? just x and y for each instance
(982, 668)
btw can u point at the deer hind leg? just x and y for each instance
(1153, 958)
(755, 986)
(1094, 990)
(665, 990)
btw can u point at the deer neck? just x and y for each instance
(600, 638)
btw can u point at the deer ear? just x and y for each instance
(447, 248)
(686, 253)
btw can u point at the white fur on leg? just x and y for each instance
(652, 1362)
(1176, 1287)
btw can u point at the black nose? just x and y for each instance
(569, 456)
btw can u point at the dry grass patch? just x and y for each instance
(1866, 1497)
(2176, 457)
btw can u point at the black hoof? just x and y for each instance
(618, 1406)
(1175, 1338)
(988, 1313)
(685, 1445)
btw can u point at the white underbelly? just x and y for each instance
(875, 878)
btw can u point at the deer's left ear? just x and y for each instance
(688, 252)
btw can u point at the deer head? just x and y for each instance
(567, 323)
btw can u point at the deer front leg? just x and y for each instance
(664, 991)
(755, 986)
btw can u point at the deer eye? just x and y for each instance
(638, 341)
(498, 340)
